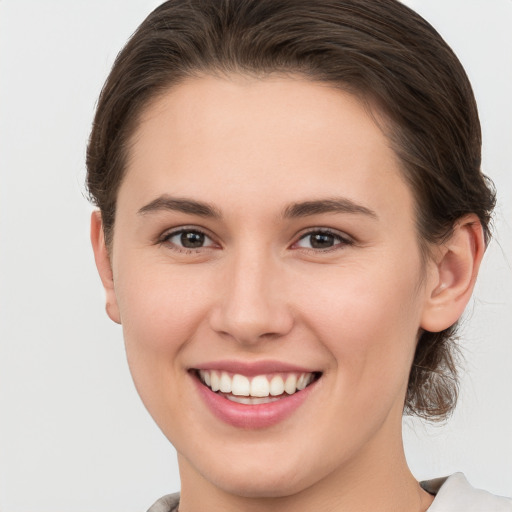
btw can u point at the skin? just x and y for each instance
(258, 290)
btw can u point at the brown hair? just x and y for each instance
(378, 49)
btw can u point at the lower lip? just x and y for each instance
(252, 416)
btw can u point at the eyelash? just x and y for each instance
(166, 239)
(342, 240)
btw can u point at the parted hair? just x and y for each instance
(379, 50)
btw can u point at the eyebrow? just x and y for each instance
(294, 210)
(332, 205)
(168, 203)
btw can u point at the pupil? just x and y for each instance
(192, 239)
(322, 240)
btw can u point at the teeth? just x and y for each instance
(259, 389)
(304, 380)
(276, 386)
(290, 385)
(215, 378)
(249, 400)
(225, 383)
(260, 386)
(240, 386)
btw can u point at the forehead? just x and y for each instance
(236, 138)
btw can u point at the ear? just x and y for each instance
(102, 258)
(453, 276)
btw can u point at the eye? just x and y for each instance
(322, 240)
(188, 239)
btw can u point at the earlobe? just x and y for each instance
(102, 258)
(454, 274)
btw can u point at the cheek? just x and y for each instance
(368, 319)
(160, 312)
(160, 308)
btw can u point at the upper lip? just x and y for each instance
(252, 368)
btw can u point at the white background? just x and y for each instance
(74, 436)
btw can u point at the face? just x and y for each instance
(268, 280)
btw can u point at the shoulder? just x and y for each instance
(455, 493)
(167, 503)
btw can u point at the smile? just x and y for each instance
(258, 389)
(254, 396)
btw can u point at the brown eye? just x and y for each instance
(192, 239)
(188, 239)
(319, 240)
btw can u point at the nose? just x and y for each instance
(252, 304)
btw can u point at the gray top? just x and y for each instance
(168, 503)
(452, 494)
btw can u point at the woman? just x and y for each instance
(291, 221)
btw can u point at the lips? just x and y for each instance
(255, 396)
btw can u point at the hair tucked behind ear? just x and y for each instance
(378, 49)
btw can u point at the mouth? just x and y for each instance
(256, 389)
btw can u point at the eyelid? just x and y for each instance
(344, 239)
(171, 232)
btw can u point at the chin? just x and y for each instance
(263, 476)
(261, 483)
